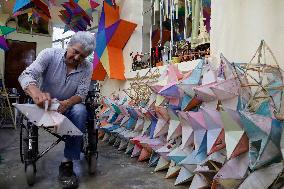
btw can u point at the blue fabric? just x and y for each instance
(152, 127)
(113, 118)
(132, 113)
(253, 132)
(101, 43)
(101, 26)
(110, 128)
(171, 92)
(198, 155)
(264, 109)
(195, 74)
(110, 2)
(276, 131)
(131, 123)
(185, 101)
(19, 4)
(78, 115)
(174, 107)
(241, 103)
(177, 159)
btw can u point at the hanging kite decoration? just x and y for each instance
(265, 81)
(4, 30)
(113, 34)
(78, 14)
(111, 2)
(3, 43)
(52, 2)
(34, 8)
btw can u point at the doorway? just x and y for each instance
(20, 55)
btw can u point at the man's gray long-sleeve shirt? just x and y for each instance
(49, 73)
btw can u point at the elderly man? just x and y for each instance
(66, 76)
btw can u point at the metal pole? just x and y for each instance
(62, 43)
(185, 19)
(161, 21)
(172, 28)
(192, 20)
(154, 11)
(151, 30)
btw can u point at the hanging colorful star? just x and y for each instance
(3, 43)
(34, 8)
(78, 14)
(113, 34)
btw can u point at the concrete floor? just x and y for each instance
(114, 169)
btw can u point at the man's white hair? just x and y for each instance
(86, 39)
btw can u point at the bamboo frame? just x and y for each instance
(261, 91)
(139, 89)
(5, 96)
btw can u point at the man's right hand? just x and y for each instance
(38, 96)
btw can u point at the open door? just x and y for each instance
(20, 55)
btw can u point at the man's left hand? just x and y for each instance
(64, 105)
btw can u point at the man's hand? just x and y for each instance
(64, 105)
(68, 103)
(38, 96)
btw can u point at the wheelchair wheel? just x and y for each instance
(23, 142)
(90, 149)
(91, 153)
(92, 164)
(30, 174)
(29, 149)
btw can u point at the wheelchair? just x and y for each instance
(29, 151)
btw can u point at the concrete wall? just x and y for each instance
(42, 41)
(131, 10)
(238, 26)
(146, 26)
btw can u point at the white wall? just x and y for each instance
(146, 26)
(238, 26)
(42, 41)
(130, 10)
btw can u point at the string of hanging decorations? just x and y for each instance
(179, 31)
(195, 25)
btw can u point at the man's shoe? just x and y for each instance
(67, 177)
